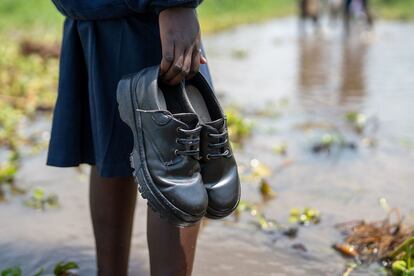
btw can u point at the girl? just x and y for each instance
(104, 40)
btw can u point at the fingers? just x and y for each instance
(179, 63)
(195, 61)
(185, 69)
(176, 67)
(167, 57)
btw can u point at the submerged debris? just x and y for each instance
(44, 50)
(373, 241)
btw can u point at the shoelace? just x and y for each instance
(218, 145)
(191, 144)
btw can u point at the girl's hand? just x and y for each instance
(181, 45)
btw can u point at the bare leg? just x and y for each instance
(112, 203)
(171, 248)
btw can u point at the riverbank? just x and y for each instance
(215, 15)
(394, 9)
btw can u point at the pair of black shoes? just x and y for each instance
(182, 157)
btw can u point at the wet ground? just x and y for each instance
(294, 91)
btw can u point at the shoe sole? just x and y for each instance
(155, 199)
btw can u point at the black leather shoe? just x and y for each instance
(218, 166)
(166, 146)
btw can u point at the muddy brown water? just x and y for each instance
(313, 80)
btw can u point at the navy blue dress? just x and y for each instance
(99, 47)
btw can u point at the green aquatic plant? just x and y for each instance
(357, 120)
(65, 268)
(304, 216)
(280, 149)
(12, 271)
(331, 141)
(266, 190)
(8, 171)
(239, 53)
(40, 200)
(239, 127)
(60, 269)
(403, 259)
(28, 80)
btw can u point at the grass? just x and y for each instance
(21, 15)
(17, 16)
(394, 9)
(216, 15)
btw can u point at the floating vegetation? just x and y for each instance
(8, 171)
(28, 80)
(357, 120)
(259, 170)
(239, 53)
(304, 216)
(65, 268)
(60, 269)
(374, 241)
(266, 190)
(40, 200)
(332, 141)
(239, 127)
(361, 123)
(261, 221)
(280, 149)
(12, 271)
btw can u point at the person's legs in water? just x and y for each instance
(347, 15)
(112, 202)
(368, 13)
(171, 248)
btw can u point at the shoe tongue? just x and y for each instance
(217, 124)
(188, 119)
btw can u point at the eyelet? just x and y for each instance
(176, 140)
(208, 156)
(176, 152)
(177, 129)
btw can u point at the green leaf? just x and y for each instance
(12, 271)
(399, 268)
(62, 268)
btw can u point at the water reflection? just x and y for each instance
(331, 73)
(353, 87)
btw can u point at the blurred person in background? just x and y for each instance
(309, 9)
(357, 9)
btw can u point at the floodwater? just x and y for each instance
(311, 83)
